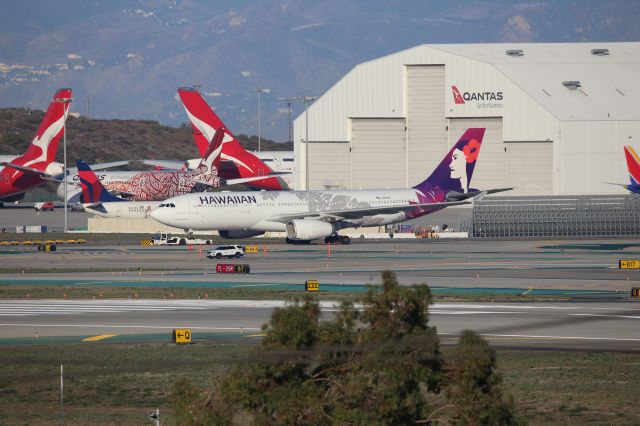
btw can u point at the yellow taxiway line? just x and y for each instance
(99, 337)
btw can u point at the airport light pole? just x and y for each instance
(260, 90)
(64, 159)
(289, 101)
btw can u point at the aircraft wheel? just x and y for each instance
(345, 240)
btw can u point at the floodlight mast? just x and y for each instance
(64, 155)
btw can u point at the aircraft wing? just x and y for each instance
(109, 165)
(624, 185)
(165, 164)
(459, 196)
(336, 215)
(32, 171)
(238, 180)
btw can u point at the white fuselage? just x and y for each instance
(123, 209)
(73, 182)
(267, 210)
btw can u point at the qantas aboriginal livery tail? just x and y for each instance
(237, 163)
(93, 191)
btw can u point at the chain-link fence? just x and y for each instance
(555, 216)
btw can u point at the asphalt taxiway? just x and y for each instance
(553, 325)
(587, 266)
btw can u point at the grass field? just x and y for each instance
(118, 383)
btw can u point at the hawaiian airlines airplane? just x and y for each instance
(308, 215)
(36, 166)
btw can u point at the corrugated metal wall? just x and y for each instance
(378, 153)
(329, 165)
(426, 123)
(530, 167)
(490, 171)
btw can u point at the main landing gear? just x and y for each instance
(337, 239)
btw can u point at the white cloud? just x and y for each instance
(73, 56)
(213, 94)
(308, 26)
(246, 73)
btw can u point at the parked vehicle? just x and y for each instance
(44, 206)
(162, 238)
(226, 251)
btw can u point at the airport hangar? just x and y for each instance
(557, 117)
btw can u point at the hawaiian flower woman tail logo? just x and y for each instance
(471, 150)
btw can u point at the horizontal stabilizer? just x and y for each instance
(32, 171)
(458, 196)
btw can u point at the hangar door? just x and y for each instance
(530, 167)
(427, 134)
(329, 165)
(490, 171)
(378, 154)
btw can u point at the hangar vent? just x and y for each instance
(557, 217)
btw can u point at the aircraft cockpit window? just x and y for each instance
(162, 205)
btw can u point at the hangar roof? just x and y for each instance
(609, 83)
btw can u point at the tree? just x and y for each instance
(377, 363)
(474, 385)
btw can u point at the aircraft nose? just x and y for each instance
(156, 214)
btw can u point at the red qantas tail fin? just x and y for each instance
(240, 163)
(42, 150)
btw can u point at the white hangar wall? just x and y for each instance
(390, 121)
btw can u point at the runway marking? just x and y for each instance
(606, 316)
(542, 337)
(159, 327)
(99, 337)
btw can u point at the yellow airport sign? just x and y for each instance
(181, 335)
(311, 285)
(635, 293)
(629, 264)
(251, 249)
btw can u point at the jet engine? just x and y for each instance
(238, 234)
(308, 229)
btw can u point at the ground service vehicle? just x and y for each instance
(162, 238)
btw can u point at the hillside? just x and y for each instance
(98, 141)
(125, 58)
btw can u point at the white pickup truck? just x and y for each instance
(162, 238)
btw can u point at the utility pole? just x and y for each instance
(260, 90)
(289, 101)
(61, 395)
(64, 150)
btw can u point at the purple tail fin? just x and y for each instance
(456, 168)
